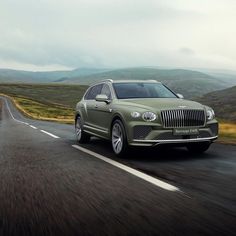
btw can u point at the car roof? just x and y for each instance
(135, 81)
(127, 81)
(124, 81)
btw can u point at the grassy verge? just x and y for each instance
(227, 133)
(45, 101)
(42, 111)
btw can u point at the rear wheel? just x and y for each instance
(119, 138)
(81, 136)
(198, 147)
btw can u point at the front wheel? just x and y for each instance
(118, 138)
(198, 147)
(81, 136)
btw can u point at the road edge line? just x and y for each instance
(52, 135)
(8, 108)
(130, 170)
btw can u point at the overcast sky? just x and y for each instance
(64, 34)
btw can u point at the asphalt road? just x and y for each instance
(49, 187)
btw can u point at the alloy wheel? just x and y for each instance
(117, 138)
(78, 129)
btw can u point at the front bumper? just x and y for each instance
(153, 135)
(136, 142)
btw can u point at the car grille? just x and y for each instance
(183, 118)
(141, 131)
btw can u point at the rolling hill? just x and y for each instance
(187, 82)
(190, 83)
(19, 76)
(223, 102)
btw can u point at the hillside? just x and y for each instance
(65, 96)
(190, 83)
(187, 82)
(19, 76)
(223, 102)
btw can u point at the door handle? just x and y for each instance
(96, 106)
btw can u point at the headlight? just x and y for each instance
(135, 114)
(149, 116)
(210, 114)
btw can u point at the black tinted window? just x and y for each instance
(106, 90)
(142, 90)
(93, 92)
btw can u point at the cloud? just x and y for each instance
(186, 51)
(85, 33)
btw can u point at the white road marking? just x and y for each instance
(8, 108)
(33, 127)
(130, 170)
(52, 135)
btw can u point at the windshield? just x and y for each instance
(142, 90)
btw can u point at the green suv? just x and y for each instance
(143, 113)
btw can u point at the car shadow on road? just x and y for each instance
(164, 153)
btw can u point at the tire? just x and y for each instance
(198, 147)
(119, 138)
(81, 136)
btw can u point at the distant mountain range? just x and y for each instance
(223, 102)
(187, 82)
(190, 83)
(20, 76)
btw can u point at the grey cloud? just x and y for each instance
(77, 33)
(186, 51)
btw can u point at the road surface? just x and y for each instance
(51, 186)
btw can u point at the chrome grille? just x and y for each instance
(183, 118)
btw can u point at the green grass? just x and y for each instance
(52, 95)
(227, 132)
(45, 101)
(38, 110)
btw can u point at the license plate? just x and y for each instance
(185, 131)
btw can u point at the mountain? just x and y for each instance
(223, 102)
(190, 83)
(19, 76)
(187, 82)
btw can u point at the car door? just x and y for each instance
(103, 111)
(90, 105)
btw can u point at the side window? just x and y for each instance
(87, 94)
(106, 90)
(93, 92)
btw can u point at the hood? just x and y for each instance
(162, 103)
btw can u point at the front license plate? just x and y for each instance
(185, 131)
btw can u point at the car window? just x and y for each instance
(142, 90)
(106, 90)
(93, 92)
(87, 94)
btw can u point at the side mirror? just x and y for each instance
(180, 96)
(102, 98)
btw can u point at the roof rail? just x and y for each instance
(152, 80)
(106, 80)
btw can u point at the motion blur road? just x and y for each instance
(50, 187)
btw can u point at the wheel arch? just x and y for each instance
(117, 116)
(77, 114)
